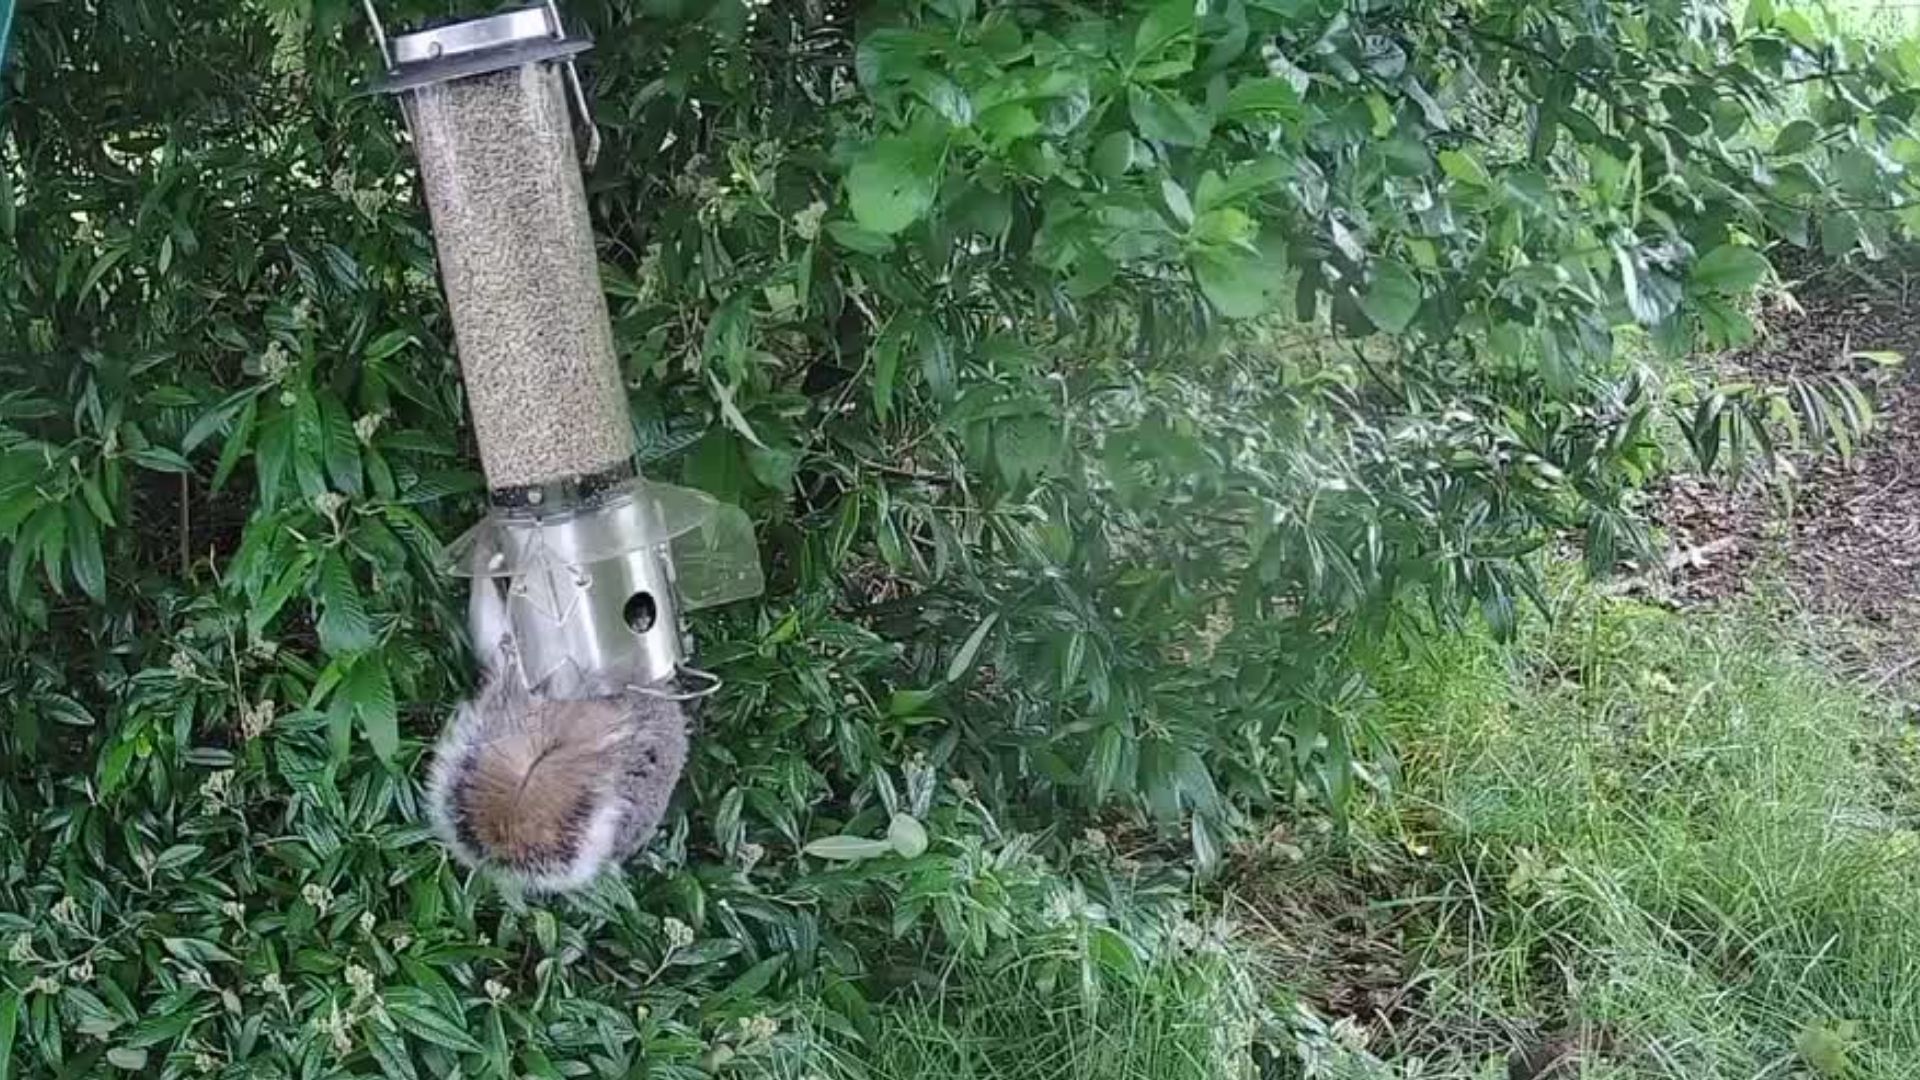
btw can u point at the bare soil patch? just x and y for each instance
(1845, 545)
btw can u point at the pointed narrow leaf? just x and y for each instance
(370, 689)
(963, 660)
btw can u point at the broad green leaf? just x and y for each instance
(1839, 234)
(854, 238)
(1163, 117)
(309, 446)
(1265, 98)
(1392, 298)
(1114, 155)
(1176, 199)
(908, 836)
(389, 1050)
(415, 1009)
(1729, 268)
(83, 550)
(1108, 769)
(947, 99)
(1795, 137)
(1800, 28)
(892, 186)
(1167, 27)
(344, 626)
(1242, 285)
(370, 689)
(1464, 167)
(342, 445)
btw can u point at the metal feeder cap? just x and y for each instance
(475, 47)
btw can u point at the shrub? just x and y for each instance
(1103, 379)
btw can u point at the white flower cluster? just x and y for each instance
(256, 719)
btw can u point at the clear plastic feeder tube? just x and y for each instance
(498, 162)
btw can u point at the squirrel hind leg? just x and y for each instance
(655, 755)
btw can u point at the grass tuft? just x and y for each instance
(1676, 831)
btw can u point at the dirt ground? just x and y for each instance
(1845, 546)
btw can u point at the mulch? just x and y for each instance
(1844, 541)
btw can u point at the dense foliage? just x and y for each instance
(1108, 382)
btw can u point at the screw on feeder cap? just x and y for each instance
(461, 50)
(472, 47)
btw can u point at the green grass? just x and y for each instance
(1677, 830)
(1674, 828)
(1045, 1015)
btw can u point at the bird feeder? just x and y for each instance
(597, 564)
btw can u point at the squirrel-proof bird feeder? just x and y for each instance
(598, 564)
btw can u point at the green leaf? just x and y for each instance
(947, 99)
(1464, 167)
(160, 459)
(270, 457)
(96, 501)
(1168, 26)
(389, 1050)
(387, 344)
(1795, 137)
(1242, 285)
(908, 836)
(848, 848)
(1162, 117)
(1839, 234)
(1264, 98)
(309, 446)
(892, 186)
(236, 445)
(155, 1030)
(886, 366)
(83, 551)
(344, 626)
(342, 445)
(10, 1007)
(215, 419)
(127, 1057)
(1111, 767)
(1393, 298)
(1729, 268)
(1799, 28)
(1114, 155)
(424, 1020)
(370, 689)
(970, 651)
(854, 238)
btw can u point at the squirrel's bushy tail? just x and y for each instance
(547, 793)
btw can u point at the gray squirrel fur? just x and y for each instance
(548, 786)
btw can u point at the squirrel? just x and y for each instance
(547, 786)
